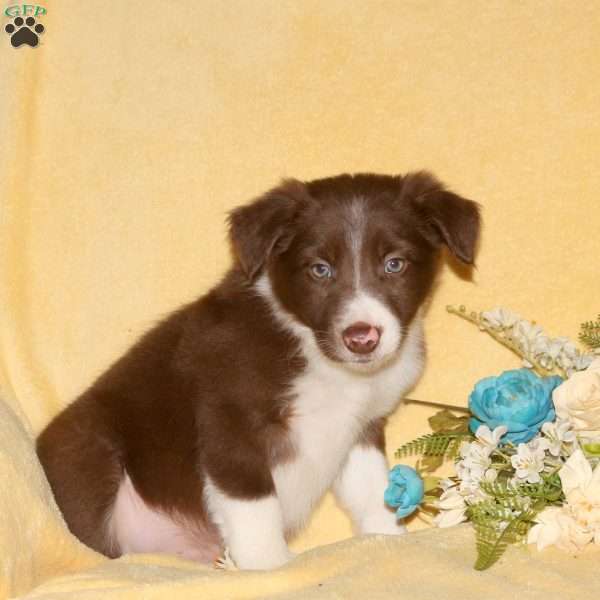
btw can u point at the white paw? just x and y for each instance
(262, 561)
(251, 529)
(382, 522)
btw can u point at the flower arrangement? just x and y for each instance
(527, 453)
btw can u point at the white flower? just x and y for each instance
(500, 318)
(528, 462)
(490, 438)
(555, 435)
(581, 486)
(561, 352)
(583, 361)
(446, 484)
(490, 475)
(468, 483)
(526, 334)
(475, 461)
(555, 346)
(556, 527)
(567, 355)
(577, 522)
(452, 508)
(543, 345)
(578, 400)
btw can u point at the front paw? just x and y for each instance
(382, 522)
(261, 561)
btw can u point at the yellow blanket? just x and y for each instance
(40, 559)
(131, 129)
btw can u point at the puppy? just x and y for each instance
(226, 424)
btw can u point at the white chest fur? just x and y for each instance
(332, 404)
(331, 407)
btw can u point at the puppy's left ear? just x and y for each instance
(264, 227)
(452, 220)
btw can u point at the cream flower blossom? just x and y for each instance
(528, 462)
(500, 318)
(578, 400)
(555, 435)
(490, 438)
(475, 462)
(547, 350)
(452, 507)
(555, 526)
(577, 522)
(528, 336)
(581, 486)
(583, 361)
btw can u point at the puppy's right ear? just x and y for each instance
(264, 227)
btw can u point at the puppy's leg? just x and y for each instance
(360, 486)
(81, 460)
(252, 529)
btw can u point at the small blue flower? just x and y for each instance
(405, 490)
(518, 399)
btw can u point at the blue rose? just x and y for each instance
(405, 490)
(518, 399)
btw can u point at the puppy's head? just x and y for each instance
(352, 258)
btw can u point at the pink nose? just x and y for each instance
(361, 338)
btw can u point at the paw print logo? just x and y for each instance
(24, 31)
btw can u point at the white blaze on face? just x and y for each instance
(363, 307)
(355, 228)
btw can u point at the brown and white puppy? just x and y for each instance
(228, 422)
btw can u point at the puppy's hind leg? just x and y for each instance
(83, 467)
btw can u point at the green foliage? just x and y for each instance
(429, 464)
(505, 511)
(439, 444)
(499, 490)
(490, 511)
(494, 534)
(591, 450)
(501, 521)
(443, 444)
(447, 422)
(506, 517)
(549, 489)
(590, 333)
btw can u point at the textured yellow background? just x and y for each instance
(134, 127)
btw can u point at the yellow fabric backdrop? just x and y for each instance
(133, 127)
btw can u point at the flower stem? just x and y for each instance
(476, 319)
(463, 409)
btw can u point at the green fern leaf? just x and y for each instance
(493, 537)
(590, 333)
(491, 511)
(499, 490)
(433, 444)
(492, 543)
(549, 489)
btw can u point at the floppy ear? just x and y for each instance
(452, 220)
(264, 227)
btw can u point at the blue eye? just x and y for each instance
(321, 270)
(394, 265)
